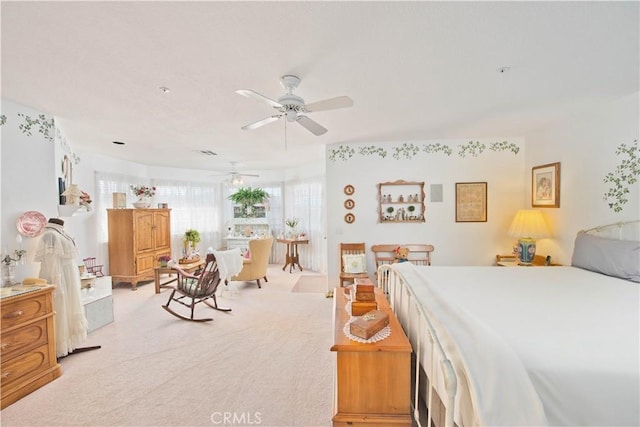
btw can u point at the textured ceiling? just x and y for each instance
(415, 71)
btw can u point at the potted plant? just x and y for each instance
(191, 237)
(247, 197)
(292, 223)
(411, 209)
(164, 260)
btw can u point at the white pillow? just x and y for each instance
(354, 263)
(617, 258)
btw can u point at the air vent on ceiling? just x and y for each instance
(207, 152)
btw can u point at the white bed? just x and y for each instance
(522, 346)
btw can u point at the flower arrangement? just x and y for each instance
(292, 222)
(143, 190)
(85, 200)
(164, 258)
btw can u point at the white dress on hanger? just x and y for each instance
(58, 264)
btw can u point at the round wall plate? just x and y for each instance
(349, 218)
(349, 190)
(349, 203)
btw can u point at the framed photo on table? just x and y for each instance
(471, 202)
(545, 186)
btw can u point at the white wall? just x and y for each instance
(455, 243)
(585, 146)
(29, 181)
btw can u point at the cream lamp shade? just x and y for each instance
(527, 226)
(73, 194)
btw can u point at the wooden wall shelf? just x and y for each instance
(401, 202)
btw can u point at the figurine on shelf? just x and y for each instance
(401, 198)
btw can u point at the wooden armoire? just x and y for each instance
(137, 237)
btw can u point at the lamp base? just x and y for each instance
(526, 250)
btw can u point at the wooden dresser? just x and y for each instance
(28, 344)
(373, 381)
(137, 237)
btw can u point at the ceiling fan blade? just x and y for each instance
(311, 126)
(262, 122)
(330, 104)
(249, 174)
(255, 95)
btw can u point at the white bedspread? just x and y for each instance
(556, 346)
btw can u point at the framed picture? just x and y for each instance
(545, 186)
(119, 200)
(471, 202)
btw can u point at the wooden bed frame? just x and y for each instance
(435, 382)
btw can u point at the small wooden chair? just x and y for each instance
(384, 254)
(92, 268)
(196, 288)
(419, 254)
(351, 249)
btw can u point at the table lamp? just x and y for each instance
(527, 226)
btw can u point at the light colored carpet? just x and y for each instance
(265, 363)
(316, 283)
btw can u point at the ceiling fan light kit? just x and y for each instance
(291, 106)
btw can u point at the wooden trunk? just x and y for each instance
(373, 380)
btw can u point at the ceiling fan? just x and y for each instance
(293, 107)
(235, 178)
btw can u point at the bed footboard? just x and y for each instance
(437, 392)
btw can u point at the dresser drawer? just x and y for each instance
(24, 367)
(22, 339)
(23, 310)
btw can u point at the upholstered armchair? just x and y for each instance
(255, 267)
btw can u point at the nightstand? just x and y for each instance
(512, 261)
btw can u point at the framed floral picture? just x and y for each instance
(471, 202)
(545, 186)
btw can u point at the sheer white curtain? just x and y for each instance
(106, 185)
(304, 199)
(193, 205)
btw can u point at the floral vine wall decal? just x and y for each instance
(406, 150)
(409, 150)
(504, 146)
(371, 150)
(44, 125)
(625, 175)
(66, 148)
(343, 152)
(472, 148)
(437, 147)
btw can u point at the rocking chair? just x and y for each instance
(92, 267)
(195, 288)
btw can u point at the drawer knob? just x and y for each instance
(13, 314)
(5, 345)
(6, 374)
